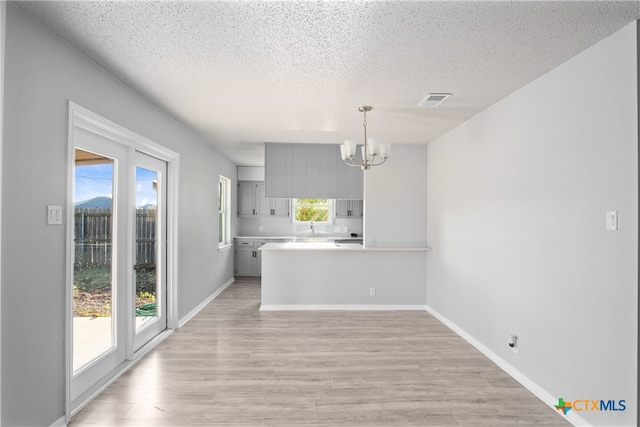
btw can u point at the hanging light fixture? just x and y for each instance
(373, 153)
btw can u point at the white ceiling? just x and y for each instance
(239, 73)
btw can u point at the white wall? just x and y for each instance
(395, 197)
(517, 202)
(41, 74)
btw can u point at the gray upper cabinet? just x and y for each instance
(348, 209)
(252, 201)
(247, 198)
(310, 171)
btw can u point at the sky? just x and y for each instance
(97, 181)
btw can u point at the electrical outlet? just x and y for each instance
(372, 292)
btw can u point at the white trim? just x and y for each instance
(341, 307)
(226, 211)
(330, 221)
(173, 204)
(224, 248)
(530, 385)
(60, 422)
(204, 303)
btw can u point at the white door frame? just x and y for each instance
(82, 118)
(3, 25)
(149, 331)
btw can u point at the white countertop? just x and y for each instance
(328, 237)
(330, 246)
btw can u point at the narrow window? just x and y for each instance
(316, 210)
(224, 219)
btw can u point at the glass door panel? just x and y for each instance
(99, 273)
(146, 232)
(93, 285)
(149, 252)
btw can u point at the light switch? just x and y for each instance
(612, 220)
(54, 215)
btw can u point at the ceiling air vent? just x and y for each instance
(434, 99)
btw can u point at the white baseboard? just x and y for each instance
(204, 303)
(533, 387)
(60, 422)
(339, 307)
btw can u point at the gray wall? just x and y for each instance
(42, 73)
(517, 202)
(395, 203)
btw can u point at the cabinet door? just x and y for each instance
(280, 208)
(356, 209)
(244, 262)
(263, 205)
(342, 208)
(348, 208)
(246, 198)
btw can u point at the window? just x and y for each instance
(316, 210)
(224, 219)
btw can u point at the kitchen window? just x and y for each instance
(316, 210)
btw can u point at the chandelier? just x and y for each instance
(373, 153)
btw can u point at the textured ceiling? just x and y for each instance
(239, 73)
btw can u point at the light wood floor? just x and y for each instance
(235, 366)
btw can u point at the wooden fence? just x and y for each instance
(93, 237)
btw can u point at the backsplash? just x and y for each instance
(248, 226)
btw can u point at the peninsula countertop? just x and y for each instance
(332, 246)
(302, 237)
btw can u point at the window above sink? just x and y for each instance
(320, 211)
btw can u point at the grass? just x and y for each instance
(92, 289)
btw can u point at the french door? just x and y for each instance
(150, 249)
(119, 261)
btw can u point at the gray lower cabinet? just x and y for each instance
(248, 260)
(348, 209)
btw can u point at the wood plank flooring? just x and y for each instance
(233, 365)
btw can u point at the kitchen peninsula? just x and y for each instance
(342, 276)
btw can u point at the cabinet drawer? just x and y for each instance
(245, 243)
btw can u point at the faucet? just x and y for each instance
(313, 230)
